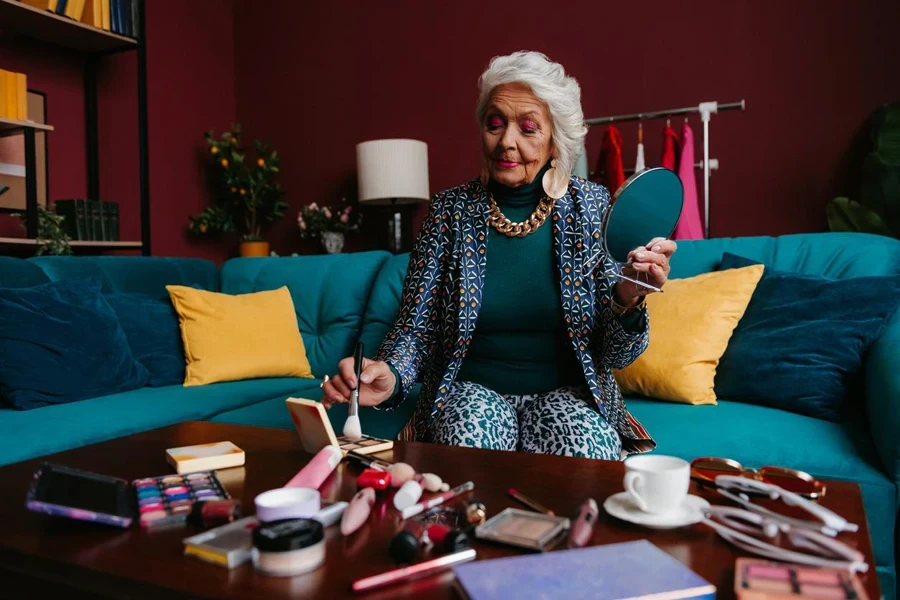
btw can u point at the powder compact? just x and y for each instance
(524, 529)
(288, 547)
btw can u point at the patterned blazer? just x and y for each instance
(442, 295)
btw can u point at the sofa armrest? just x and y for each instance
(882, 373)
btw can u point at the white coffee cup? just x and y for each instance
(658, 484)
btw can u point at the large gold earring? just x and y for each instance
(554, 182)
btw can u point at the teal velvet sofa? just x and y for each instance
(340, 299)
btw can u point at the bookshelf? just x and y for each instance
(73, 36)
(62, 31)
(75, 243)
(13, 125)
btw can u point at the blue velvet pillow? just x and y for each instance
(154, 335)
(61, 342)
(802, 339)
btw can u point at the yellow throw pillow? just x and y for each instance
(690, 325)
(230, 337)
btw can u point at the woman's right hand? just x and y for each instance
(377, 385)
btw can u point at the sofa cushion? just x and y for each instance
(273, 413)
(384, 302)
(758, 436)
(803, 338)
(834, 255)
(241, 336)
(33, 433)
(61, 342)
(151, 326)
(691, 324)
(329, 293)
(134, 274)
(19, 273)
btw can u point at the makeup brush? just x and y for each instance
(352, 429)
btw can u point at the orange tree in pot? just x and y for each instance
(246, 196)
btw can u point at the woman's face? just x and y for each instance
(515, 135)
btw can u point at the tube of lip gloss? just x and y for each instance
(318, 469)
(583, 527)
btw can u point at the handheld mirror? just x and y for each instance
(646, 206)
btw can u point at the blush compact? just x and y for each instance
(524, 529)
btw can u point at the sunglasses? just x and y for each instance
(773, 538)
(705, 470)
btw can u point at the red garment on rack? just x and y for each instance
(671, 149)
(610, 171)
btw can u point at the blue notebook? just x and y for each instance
(630, 570)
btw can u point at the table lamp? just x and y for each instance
(392, 172)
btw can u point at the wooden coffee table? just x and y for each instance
(41, 555)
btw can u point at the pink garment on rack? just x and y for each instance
(690, 225)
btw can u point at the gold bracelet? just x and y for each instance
(623, 310)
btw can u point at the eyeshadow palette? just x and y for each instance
(168, 499)
(152, 502)
(315, 430)
(758, 579)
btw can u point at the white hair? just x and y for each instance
(549, 82)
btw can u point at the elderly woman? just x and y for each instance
(513, 341)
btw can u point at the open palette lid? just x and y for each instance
(314, 428)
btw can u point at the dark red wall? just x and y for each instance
(314, 79)
(190, 83)
(190, 88)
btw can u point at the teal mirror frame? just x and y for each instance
(658, 195)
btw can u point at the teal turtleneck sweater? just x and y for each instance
(520, 345)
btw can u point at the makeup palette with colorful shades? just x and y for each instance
(169, 499)
(758, 579)
(152, 502)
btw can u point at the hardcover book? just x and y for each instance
(629, 570)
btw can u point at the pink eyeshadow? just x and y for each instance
(822, 591)
(152, 516)
(777, 573)
(770, 585)
(152, 507)
(825, 577)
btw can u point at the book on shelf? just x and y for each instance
(13, 95)
(89, 220)
(116, 16)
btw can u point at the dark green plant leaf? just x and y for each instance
(880, 189)
(886, 133)
(846, 215)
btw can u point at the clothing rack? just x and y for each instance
(705, 110)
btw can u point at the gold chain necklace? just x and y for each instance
(499, 222)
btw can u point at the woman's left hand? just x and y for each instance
(650, 264)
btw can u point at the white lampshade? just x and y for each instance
(392, 171)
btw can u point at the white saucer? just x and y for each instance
(623, 507)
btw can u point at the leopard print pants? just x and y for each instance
(560, 422)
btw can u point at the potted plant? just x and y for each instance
(51, 236)
(328, 223)
(247, 197)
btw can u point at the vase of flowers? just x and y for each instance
(247, 197)
(330, 224)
